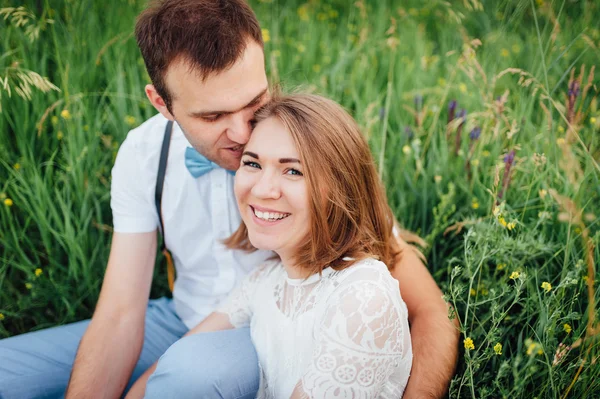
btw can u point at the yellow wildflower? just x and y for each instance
(54, 120)
(474, 203)
(59, 135)
(301, 48)
(534, 347)
(561, 129)
(28, 286)
(510, 226)
(567, 328)
(17, 166)
(1, 317)
(502, 221)
(475, 162)
(501, 266)
(468, 342)
(462, 87)
(266, 35)
(473, 292)
(504, 53)
(514, 275)
(485, 153)
(303, 12)
(593, 120)
(65, 114)
(406, 149)
(560, 141)
(543, 193)
(546, 286)
(437, 178)
(498, 348)
(496, 211)
(38, 272)
(585, 279)
(8, 202)
(130, 120)
(86, 128)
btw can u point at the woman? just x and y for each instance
(326, 316)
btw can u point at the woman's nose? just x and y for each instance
(267, 187)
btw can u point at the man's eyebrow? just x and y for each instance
(254, 101)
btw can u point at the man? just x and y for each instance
(206, 62)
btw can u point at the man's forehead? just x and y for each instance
(229, 90)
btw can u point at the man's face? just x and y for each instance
(215, 114)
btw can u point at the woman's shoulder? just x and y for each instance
(366, 271)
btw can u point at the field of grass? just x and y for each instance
(483, 117)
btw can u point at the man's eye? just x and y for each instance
(212, 118)
(251, 164)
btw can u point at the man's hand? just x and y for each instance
(434, 337)
(111, 346)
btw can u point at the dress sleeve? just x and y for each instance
(363, 343)
(238, 305)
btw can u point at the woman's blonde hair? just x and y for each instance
(349, 213)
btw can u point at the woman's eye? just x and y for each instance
(251, 164)
(294, 172)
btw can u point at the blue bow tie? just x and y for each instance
(197, 163)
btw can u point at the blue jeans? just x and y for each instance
(38, 364)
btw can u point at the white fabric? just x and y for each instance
(197, 213)
(343, 334)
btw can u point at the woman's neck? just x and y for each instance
(292, 269)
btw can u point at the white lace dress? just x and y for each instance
(343, 334)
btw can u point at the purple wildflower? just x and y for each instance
(451, 110)
(509, 158)
(409, 132)
(574, 89)
(475, 133)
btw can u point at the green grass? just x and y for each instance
(377, 59)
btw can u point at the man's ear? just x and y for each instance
(158, 102)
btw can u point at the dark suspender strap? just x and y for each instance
(160, 178)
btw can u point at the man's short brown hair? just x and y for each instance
(210, 35)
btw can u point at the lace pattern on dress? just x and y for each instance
(362, 340)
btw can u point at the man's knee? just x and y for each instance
(211, 365)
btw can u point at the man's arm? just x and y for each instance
(111, 346)
(434, 337)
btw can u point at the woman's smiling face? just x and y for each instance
(271, 190)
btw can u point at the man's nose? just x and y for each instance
(267, 187)
(240, 128)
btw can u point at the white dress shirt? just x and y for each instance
(198, 213)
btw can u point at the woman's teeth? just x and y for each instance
(270, 216)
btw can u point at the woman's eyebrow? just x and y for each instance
(289, 160)
(251, 154)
